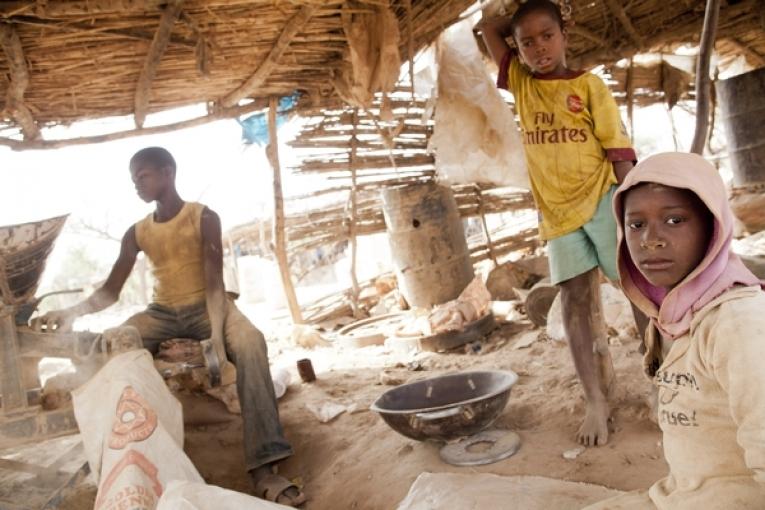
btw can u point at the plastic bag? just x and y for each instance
(475, 138)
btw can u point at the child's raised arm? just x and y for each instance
(495, 32)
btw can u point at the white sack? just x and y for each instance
(132, 428)
(180, 495)
(475, 138)
(449, 491)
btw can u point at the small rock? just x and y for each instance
(405, 450)
(389, 379)
(573, 453)
(473, 347)
(307, 337)
(415, 366)
(526, 340)
(325, 411)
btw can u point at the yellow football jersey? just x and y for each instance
(572, 131)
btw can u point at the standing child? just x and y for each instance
(576, 152)
(706, 346)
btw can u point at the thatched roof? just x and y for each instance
(608, 30)
(69, 60)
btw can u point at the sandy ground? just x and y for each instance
(357, 461)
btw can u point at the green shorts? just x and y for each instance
(591, 245)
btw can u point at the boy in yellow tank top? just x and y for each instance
(576, 152)
(182, 241)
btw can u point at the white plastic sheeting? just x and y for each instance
(475, 138)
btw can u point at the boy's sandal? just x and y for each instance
(271, 487)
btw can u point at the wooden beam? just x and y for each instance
(280, 242)
(293, 27)
(17, 67)
(588, 34)
(703, 83)
(158, 45)
(749, 53)
(618, 11)
(75, 28)
(57, 9)
(682, 33)
(630, 98)
(225, 113)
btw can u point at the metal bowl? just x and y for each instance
(446, 407)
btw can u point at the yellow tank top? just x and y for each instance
(174, 250)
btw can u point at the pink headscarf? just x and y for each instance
(718, 271)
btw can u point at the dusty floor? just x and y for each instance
(356, 461)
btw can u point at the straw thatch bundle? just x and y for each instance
(69, 60)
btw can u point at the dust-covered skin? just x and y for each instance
(586, 333)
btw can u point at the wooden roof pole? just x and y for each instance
(280, 242)
(295, 24)
(355, 289)
(587, 34)
(77, 8)
(14, 99)
(703, 83)
(617, 10)
(158, 45)
(225, 113)
(748, 52)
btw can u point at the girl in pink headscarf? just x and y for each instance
(706, 349)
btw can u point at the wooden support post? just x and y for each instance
(489, 244)
(158, 45)
(410, 45)
(292, 28)
(280, 242)
(703, 84)
(672, 124)
(630, 86)
(17, 68)
(355, 289)
(618, 11)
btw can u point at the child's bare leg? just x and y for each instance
(586, 332)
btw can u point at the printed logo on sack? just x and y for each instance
(574, 103)
(135, 420)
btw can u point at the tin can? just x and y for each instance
(305, 369)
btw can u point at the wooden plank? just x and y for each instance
(293, 26)
(149, 70)
(703, 83)
(280, 244)
(17, 67)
